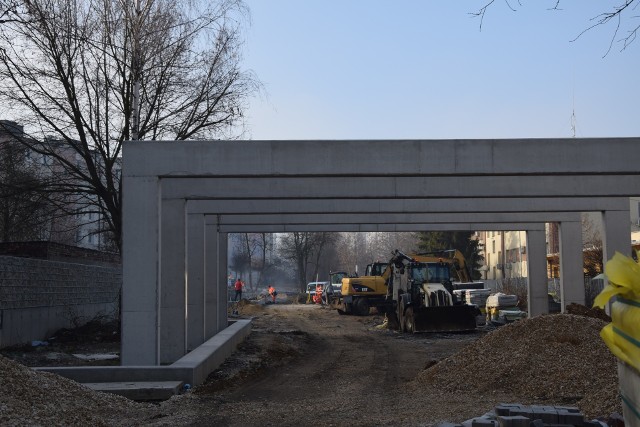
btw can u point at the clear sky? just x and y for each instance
(422, 69)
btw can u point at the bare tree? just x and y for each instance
(24, 209)
(305, 250)
(359, 249)
(9, 11)
(68, 70)
(252, 255)
(617, 16)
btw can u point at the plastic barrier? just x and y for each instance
(622, 335)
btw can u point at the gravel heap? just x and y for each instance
(32, 398)
(582, 310)
(553, 358)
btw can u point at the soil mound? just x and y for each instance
(558, 358)
(28, 397)
(582, 310)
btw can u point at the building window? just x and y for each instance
(493, 246)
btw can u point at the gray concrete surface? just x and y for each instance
(140, 391)
(191, 369)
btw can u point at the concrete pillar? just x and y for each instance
(571, 264)
(140, 247)
(537, 266)
(616, 234)
(223, 297)
(211, 277)
(173, 292)
(196, 296)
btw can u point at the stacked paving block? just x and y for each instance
(517, 415)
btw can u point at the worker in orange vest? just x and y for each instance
(238, 287)
(273, 293)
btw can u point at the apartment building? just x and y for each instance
(505, 252)
(69, 219)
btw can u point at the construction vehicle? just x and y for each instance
(333, 288)
(458, 265)
(421, 298)
(359, 294)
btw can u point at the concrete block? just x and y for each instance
(548, 414)
(568, 416)
(567, 408)
(515, 421)
(504, 409)
(524, 411)
(483, 422)
(140, 391)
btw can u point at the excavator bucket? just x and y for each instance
(456, 318)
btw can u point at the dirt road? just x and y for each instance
(307, 365)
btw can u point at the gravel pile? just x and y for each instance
(553, 358)
(30, 398)
(582, 310)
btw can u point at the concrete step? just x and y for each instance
(140, 390)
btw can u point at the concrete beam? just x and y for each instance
(395, 157)
(285, 228)
(381, 187)
(140, 254)
(537, 274)
(616, 226)
(213, 295)
(172, 283)
(195, 281)
(355, 205)
(397, 218)
(571, 264)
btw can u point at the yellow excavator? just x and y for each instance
(359, 294)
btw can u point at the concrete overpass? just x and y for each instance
(182, 198)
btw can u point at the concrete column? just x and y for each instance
(616, 234)
(195, 281)
(571, 264)
(173, 292)
(211, 277)
(537, 266)
(140, 247)
(223, 296)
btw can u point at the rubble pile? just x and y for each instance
(556, 358)
(28, 397)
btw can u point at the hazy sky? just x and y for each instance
(422, 69)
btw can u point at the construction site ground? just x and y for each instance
(307, 365)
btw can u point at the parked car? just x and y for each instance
(311, 287)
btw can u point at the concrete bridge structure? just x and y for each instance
(181, 199)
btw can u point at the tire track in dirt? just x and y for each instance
(348, 368)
